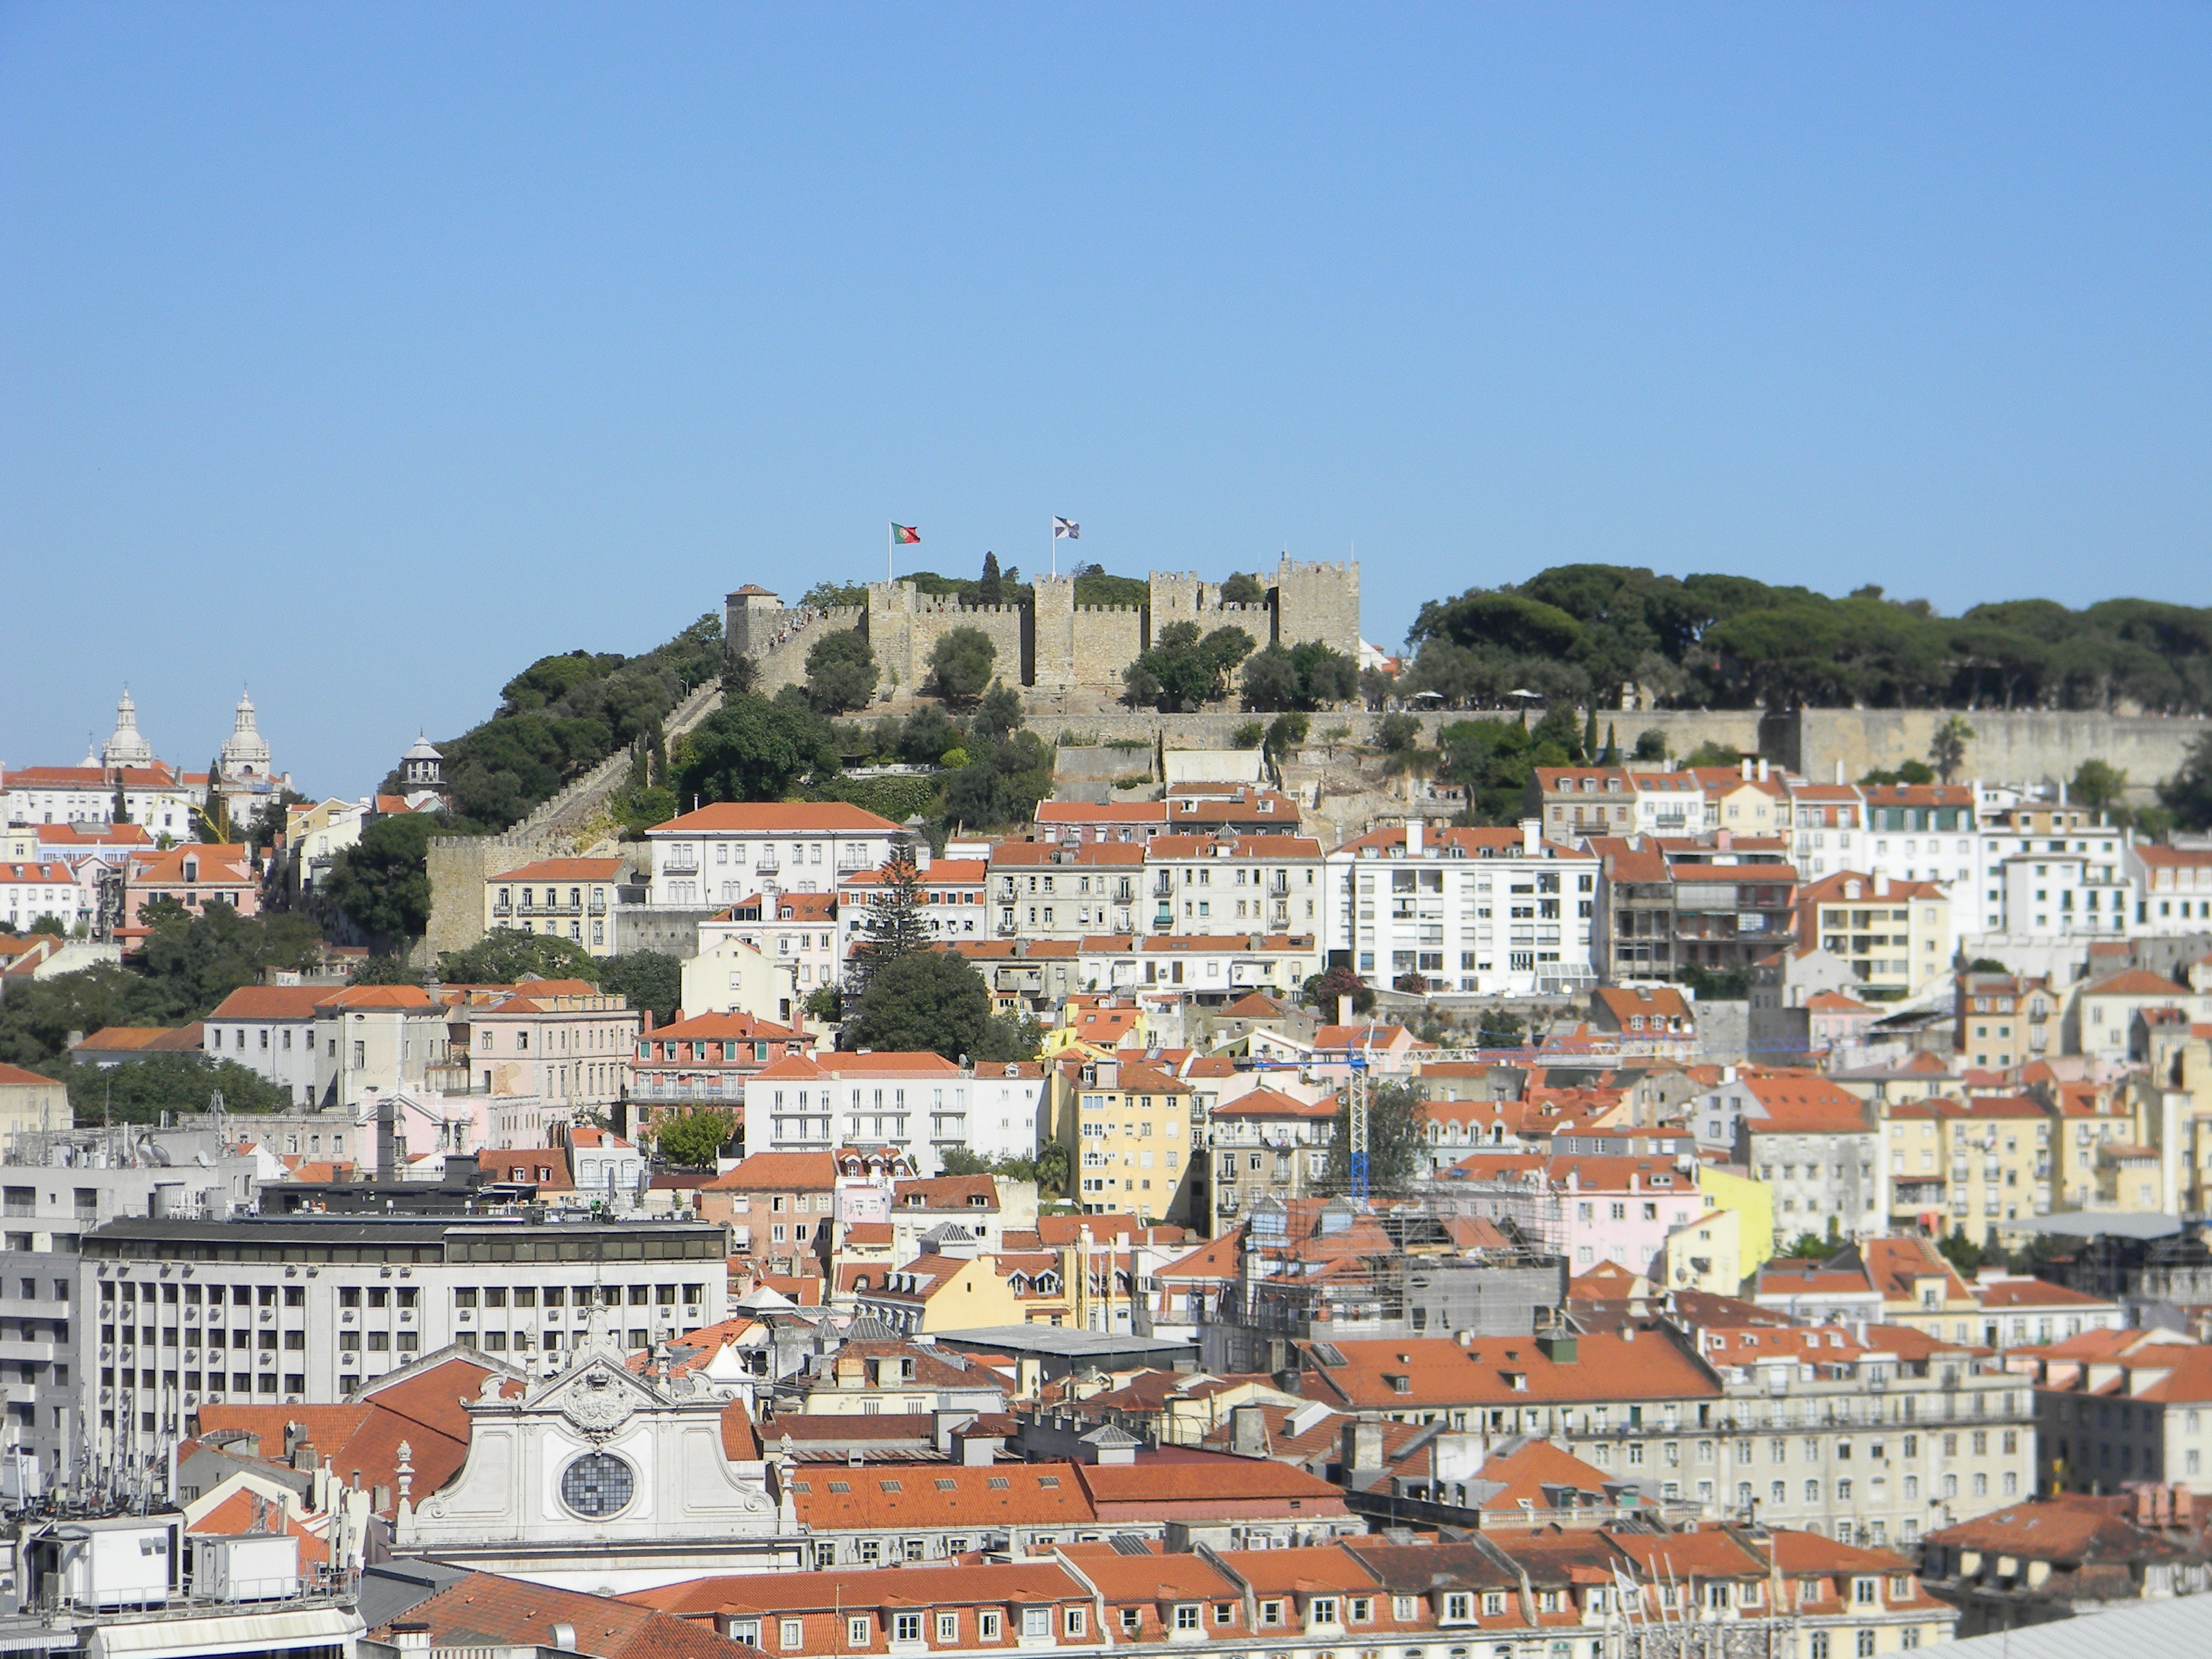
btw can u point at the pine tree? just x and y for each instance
(991, 590)
(1590, 737)
(1612, 745)
(895, 926)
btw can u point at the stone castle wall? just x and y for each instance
(1318, 601)
(904, 625)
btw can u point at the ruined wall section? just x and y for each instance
(1317, 601)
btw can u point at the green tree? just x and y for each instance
(1270, 680)
(991, 588)
(897, 926)
(1713, 753)
(383, 970)
(1007, 1037)
(141, 1091)
(825, 1004)
(960, 1161)
(202, 958)
(1001, 785)
(694, 1138)
(1243, 588)
(1501, 1029)
(381, 883)
(1651, 745)
(506, 957)
(925, 734)
(1948, 750)
(1395, 733)
(1809, 1247)
(1185, 669)
(1911, 772)
(1324, 992)
(960, 663)
(753, 748)
(1962, 1253)
(47, 922)
(841, 671)
(740, 673)
(1284, 733)
(2099, 786)
(926, 1001)
(1248, 735)
(1396, 1142)
(650, 979)
(999, 716)
(2188, 794)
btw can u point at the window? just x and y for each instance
(1078, 1620)
(1322, 1610)
(1458, 1606)
(856, 1632)
(906, 1627)
(1271, 1612)
(1186, 1616)
(792, 1634)
(987, 1626)
(1037, 1621)
(948, 1627)
(1493, 1602)
(1866, 1644)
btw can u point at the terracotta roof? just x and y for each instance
(2135, 983)
(1271, 1102)
(778, 1172)
(738, 1027)
(15, 1077)
(837, 1497)
(271, 1002)
(767, 817)
(486, 1611)
(1437, 1372)
(563, 870)
(1039, 1579)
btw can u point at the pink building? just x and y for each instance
(196, 875)
(1621, 1209)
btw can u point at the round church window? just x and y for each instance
(597, 1485)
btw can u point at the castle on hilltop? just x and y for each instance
(1057, 644)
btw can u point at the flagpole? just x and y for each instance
(1052, 529)
(890, 539)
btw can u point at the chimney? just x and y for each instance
(1839, 770)
(411, 1639)
(1762, 768)
(921, 855)
(1532, 837)
(1880, 884)
(1248, 1431)
(1745, 766)
(1344, 1008)
(1413, 828)
(1361, 1447)
(564, 1637)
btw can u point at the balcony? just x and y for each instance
(680, 864)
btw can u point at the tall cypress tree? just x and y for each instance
(991, 590)
(895, 926)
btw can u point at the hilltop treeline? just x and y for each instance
(1584, 633)
(563, 715)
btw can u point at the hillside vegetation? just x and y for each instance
(1583, 633)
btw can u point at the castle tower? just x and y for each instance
(127, 747)
(749, 618)
(1054, 651)
(1317, 601)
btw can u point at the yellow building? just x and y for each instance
(570, 898)
(1753, 1203)
(1135, 1137)
(1967, 1166)
(1706, 1255)
(1896, 935)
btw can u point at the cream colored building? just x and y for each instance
(731, 975)
(1969, 1165)
(563, 1042)
(1706, 1253)
(568, 898)
(1896, 935)
(29, 1103)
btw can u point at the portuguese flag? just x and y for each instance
(905, 533)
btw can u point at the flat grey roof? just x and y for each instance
(2129, 1631)
(2088, 1223)
(1063, 1341)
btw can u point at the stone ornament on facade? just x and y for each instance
(595, 1406)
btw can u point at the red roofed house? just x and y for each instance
(29, 1103)
(1816, 1145)
(778, 1207)
(703, 1061)
(1648, 1020)
(1896, 935)
(195, 876)
(1268, 1144)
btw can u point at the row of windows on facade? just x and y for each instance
(684, 855)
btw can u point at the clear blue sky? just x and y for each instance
(366, 353)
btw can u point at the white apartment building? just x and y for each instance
(1202, 884)
(1205, 968)
(1059, 891)
(2053, 873)
(1493, 912)
(734, 973)
(915, 1104)
(2172, 887)
(724, 853)
(269, 1030)
(952, 900)
(36, 888)
(375, 1036)
(304, 1308)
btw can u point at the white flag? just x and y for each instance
(1066, 528)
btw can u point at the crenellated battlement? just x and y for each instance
(1052, 643)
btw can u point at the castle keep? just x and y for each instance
(1053, 644)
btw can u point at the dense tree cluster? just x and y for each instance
(649, 979)
(841, 671)
(1307, 676)
(1583, 633)
(1186, 669)
(563, 714)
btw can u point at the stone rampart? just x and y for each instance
(1317, 601)
(904, 625)
(458, 866)
(781, 647)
